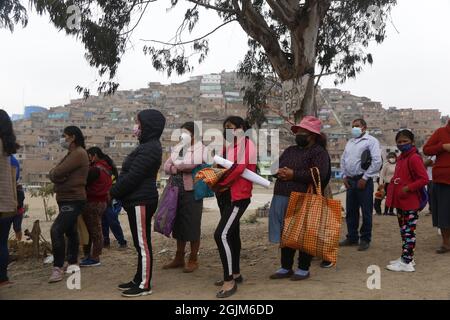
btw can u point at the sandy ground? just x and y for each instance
(259, 259)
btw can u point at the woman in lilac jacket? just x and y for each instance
(187, 226)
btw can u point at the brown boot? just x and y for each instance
(192, 264)
(178, 261)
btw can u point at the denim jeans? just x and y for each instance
(359, 199)
(5, 226)
(110, 220)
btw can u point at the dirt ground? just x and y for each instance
(259, 258)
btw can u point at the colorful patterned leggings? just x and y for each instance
(407, 221)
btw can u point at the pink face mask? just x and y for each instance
(136, 130)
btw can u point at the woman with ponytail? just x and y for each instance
(233, 199)
(99, 183)
(110, 218)
(69, 178)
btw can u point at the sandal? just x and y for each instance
(442, 250)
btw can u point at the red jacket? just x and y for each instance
(409, 171)
(240, 188)
(99, 182)
(433, 147)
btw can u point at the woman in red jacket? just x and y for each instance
(404, 194)
(99, 183)
(439, 145)
(233, 202)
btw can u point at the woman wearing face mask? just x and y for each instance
(187, 225)
(69, 178)
(233, 199)
(294, 175)
(385, 178)
(136, 189)
(404, 194)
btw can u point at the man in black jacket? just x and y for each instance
(136, 188)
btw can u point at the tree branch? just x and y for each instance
(174, 44)
(280, 11)
(256, 27)
(208, 6)
(140, 18)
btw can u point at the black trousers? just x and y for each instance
(227, 234)
(386, 208)
(66, 224)
(287, 259)
(140, 219)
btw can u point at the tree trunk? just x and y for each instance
(308, 107)
(304, 43)
(293, 95)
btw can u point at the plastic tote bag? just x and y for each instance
(312, 223)
(167, 209)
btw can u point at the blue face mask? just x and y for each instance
(356, 132)
(404, 147)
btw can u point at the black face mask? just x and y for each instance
(302, 140)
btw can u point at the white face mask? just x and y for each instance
(185, 137)
(391, 161)
(64, 143)
(356, 132)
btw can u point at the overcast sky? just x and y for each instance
(41, 66)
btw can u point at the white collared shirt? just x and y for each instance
(351, 159)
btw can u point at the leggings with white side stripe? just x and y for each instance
(140, 219)
(227, 233)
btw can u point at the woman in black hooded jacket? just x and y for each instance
(136, 188)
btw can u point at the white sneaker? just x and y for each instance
(401, 266)
(400, 260)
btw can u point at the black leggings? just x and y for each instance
(287, 259)
(227, 233)
(65, 224)
(140, 219)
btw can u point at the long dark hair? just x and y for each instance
(7, 135)
(76, 132)
(96, 151)
(238, 122)
(192, 128)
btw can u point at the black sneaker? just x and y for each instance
(126, 286)
(136, 292)
(326, 264)
(363, 245)
(348, 243)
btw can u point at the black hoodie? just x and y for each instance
(136, 184)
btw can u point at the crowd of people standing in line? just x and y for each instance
(87, 184)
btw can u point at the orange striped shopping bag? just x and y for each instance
(211, 176)
(312, 223)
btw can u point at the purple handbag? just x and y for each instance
(167, 209)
